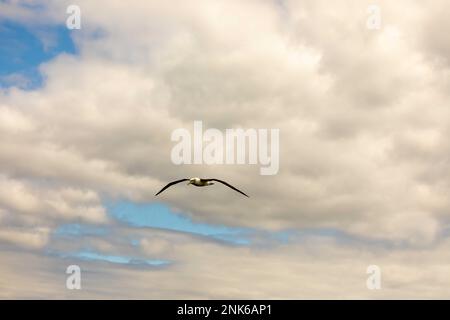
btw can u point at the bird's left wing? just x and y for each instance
(171, 184)
(228, 185)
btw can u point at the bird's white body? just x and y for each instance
(199, 182)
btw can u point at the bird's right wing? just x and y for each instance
(229, 185)
(171, 184)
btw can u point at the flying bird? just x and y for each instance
(200, 183)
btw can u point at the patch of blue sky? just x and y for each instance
(24, 48)
(88, 255)
(29, 4)
(336, 235)
(135, 242)
(160, 216)
(78, 229)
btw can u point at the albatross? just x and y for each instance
(200, 183)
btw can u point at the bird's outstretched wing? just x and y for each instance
(171, 184)
(228, 185)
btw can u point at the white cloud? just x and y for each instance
(35, 238)
(103, 120)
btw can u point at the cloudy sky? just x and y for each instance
(86, 117)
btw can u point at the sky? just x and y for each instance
(86, 117)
